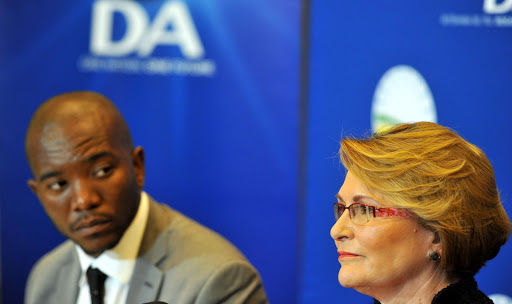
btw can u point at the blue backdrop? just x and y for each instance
(461, 52)
(211, 89)
(218, 126)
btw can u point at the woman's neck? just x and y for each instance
(420, 290)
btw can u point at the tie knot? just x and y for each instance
(96, 280)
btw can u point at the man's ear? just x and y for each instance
(138, 165)
(32, 184)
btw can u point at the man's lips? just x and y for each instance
(346, 255)
(88, 226)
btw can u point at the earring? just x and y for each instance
(434, 256)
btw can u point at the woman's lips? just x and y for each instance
(346, 255)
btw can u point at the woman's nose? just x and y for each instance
(341, 229)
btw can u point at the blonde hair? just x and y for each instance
(448, 182)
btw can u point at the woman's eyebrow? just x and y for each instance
(359, 197)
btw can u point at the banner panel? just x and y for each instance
(372, 63)
(209, 89)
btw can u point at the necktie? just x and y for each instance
(96, 280)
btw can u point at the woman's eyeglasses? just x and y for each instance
(361, 214)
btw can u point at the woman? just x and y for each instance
(424, 215)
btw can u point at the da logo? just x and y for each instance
(172, 25)
(493, 7)
(402, 95)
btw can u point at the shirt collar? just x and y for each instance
(119, 261)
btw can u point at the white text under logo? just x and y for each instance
(495, 13)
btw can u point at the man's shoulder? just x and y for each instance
(186, 239)
(195, 236)
(41, 282)
(200, 263)
(57, 257)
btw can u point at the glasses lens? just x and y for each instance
(337, 211)
(360, 214)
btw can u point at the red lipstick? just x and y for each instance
(346, 255)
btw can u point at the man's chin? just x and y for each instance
(97, 247)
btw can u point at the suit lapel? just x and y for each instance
(145, 283)
(147, 278)
(67, 280)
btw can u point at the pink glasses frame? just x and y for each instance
(377, 212)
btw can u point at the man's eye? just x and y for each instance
(103, 171)
(57, 186)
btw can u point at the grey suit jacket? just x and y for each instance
(179, 261)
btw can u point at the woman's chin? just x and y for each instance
(346, 279)
(347, 284)
(355, 278)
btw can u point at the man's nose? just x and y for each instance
(85, 195)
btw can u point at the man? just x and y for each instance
(89, 178)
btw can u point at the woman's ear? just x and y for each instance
(437, 237)
(437, 244)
